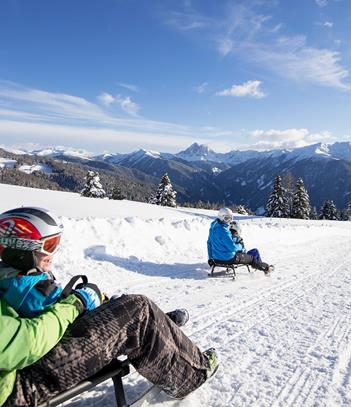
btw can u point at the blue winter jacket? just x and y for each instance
(220, 244)
(29, 294)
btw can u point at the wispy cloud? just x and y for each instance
(247, 89)
(321, 3)
(258, 38)
(187, 21)
(202, 88)
(28, 115)
(291, 58)
(31, 115)
(128, 105)
(287, 139)
(106, 99)
(328, 24)
(128, 86)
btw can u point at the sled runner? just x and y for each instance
(116, 370)
(228, 266)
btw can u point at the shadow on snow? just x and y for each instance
(197, 271)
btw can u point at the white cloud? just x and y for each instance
(321, 3)
(225, 46)
(287, 139)
(128, 86)
(106, 99)
(128, 105)
(257, 38)
(249, 89)
(125, 103)
(39, 116)
(36, 116)
(201, 88)
(328, 24)
(187, 21)
(304, 64)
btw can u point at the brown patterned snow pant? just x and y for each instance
(130, 325)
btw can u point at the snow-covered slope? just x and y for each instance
(283, 340)
(7, 163)
(52, 152)
(36, 167)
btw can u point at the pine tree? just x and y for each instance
(277, 205)
(289, 183)
(328, 211)
(301, 202)
(152, 199)
(165, 196)
(93, 187)
(342, 214)
(240, 209)
(313, 213)
(348, 211)
(117, 194)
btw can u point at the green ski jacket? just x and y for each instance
(23, 341)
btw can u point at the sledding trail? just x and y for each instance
(294, 345)
(284, 341)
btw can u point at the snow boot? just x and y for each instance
(179, 316)
(269, 270)
(212, 357)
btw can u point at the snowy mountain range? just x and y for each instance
(241, 177)
(201, 152)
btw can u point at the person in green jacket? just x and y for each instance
(76, 334)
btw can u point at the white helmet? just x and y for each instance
(225, 215)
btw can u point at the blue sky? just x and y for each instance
(118, 75)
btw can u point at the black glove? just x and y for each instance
(211, 262)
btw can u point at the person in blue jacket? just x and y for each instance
(223, 247)
(235, 230)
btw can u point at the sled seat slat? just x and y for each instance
(115, 371)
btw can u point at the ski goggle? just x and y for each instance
(50, 244)
(47, 245)
(227, 218)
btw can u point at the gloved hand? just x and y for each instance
(210, 262)
(90, 295)
(241, 241)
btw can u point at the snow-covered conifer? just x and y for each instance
(301, 202)
(313, 213)
(277, 205)
(328, 211)
(165, 196)
(348, 211)
(289, 183)
(240, 209)
(152, 199)
(93, 187)
(117, 194)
